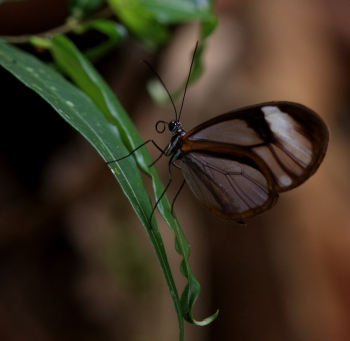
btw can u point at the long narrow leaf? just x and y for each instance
(115, 32)
(83, 73)
(82, 113)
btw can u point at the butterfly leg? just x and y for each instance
(177, 194)
(154, 162)
(171, 162)
(124, 157)
(158, 201)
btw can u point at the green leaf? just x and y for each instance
(77, 109)
(81, 8)
(190, 295)
(179, 11)
(83, 114)
(87, 78)
(141, 22)
(115, 32)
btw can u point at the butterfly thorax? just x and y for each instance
(174, 147)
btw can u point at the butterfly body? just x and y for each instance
(238, 162)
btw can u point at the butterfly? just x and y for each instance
(237, 163)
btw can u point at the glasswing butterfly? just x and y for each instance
(237, 163)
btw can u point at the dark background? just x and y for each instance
(75, 262)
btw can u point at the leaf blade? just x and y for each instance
(70, 59)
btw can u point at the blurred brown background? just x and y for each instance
(75, 262)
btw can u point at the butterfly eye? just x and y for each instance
(172, 125)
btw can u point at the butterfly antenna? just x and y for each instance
(188, 79)
(155, 72)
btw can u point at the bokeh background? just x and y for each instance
(66, 227)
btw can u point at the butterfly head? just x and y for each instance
(175, 127)
(172, 125)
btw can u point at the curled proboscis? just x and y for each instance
(164, 126)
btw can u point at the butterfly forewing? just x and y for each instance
(300, 143)
(237, 162)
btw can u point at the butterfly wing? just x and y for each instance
(226, 187)
(282, 142)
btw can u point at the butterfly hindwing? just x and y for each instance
(227, 188)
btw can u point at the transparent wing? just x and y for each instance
(290, 139)
(227, 188)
